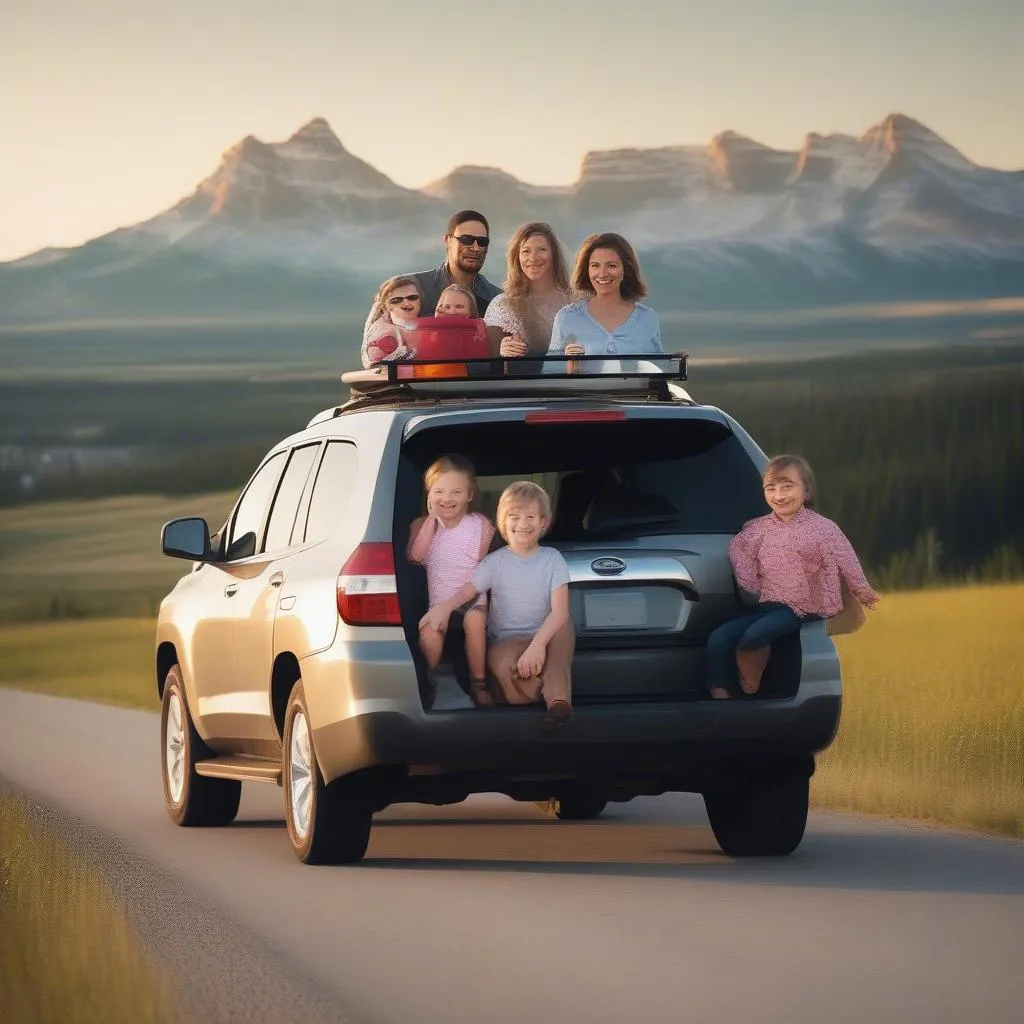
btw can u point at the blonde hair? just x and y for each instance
(473, 308)
(781, 463)
(380, 308)
(523, 492)
(517, 284)
(451, 464)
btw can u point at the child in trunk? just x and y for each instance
(796, 562)
(530, 634)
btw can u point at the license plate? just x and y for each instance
(622, 609)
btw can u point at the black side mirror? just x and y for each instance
(186, 538)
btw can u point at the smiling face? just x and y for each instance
(535, 258)
(785, 492)
(467, 246)
(453, 303)
(605, 271)
(524, 526)
(403, 304)
(449, 497)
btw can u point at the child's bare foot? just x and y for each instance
(751, 665)
(720, 693)
(480, 694)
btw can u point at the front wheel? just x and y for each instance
(326, 824)
(759, 819)
(191, 799)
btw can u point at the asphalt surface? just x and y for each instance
(490, 912)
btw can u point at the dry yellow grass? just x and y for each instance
(68, 954)
(933, 711)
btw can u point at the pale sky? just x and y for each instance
(113, 110)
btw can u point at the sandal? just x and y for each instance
(480, 694)
(559, 713)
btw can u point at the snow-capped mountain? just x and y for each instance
(305, 224)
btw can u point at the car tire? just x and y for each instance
(327, 824)
(579, 805)
(762, 819)
(191, 799)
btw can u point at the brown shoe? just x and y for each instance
(480, 694)
(559, 712)
(751, 665)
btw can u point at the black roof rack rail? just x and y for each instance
(532, 376)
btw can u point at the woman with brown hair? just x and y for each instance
(608, 320)
(519, 320)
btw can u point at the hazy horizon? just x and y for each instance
(124, 107)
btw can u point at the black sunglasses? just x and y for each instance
(482, 240)
(396, 299)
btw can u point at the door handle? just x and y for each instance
(277, 579)
(230, 590)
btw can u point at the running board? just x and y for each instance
(237, 766)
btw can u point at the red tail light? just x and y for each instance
(367, 589)
(580, 416)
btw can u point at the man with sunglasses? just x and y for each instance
(466, 241)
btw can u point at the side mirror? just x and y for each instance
(186, 538)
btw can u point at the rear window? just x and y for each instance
(618, 479)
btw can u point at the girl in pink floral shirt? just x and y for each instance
(793, 560)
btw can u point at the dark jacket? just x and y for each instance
(432, 282)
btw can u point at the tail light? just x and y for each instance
(367, 589)
(577, 416)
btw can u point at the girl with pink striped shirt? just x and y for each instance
(795, 561)
(450, 541)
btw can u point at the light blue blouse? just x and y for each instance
(639, 333)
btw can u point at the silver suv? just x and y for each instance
(289, 653)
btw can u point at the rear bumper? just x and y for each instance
(680, 740)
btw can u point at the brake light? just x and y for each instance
(367, 589)
(584, 416)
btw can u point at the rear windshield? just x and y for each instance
(618, 479)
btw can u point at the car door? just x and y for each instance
(256, 599)
(223, 711)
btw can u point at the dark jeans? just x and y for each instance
(759, 628)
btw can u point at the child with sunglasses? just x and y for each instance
(396, 309)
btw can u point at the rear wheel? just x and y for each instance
(326, 824)
(759, 819)
(191, 799)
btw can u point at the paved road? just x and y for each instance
(487, 912)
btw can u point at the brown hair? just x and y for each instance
(521, 493)
(781, 463)
(468, 292)
(379, 307)
(451, 464)
(632, 287)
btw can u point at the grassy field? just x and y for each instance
(933, 708)
(933, 711)
(71, 559)
(68, 954)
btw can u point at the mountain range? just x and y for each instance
(305, 226)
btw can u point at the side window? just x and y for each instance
(334, 483)
(286, 502)
(249, 513)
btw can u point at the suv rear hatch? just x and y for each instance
(645, 500)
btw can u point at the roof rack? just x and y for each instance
(533, 376)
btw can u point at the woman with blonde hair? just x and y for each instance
(396, 308)
(519, 320)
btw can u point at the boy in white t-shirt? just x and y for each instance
(530, 634)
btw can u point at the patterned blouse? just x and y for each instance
(798, 563)
(500, 314)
